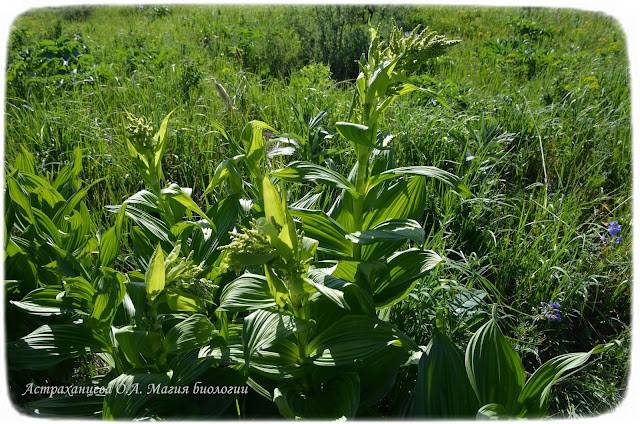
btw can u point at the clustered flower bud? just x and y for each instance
(140, 130)
(184, 276)
(250, 247)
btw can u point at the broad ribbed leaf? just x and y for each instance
(71, 203)
(403, 271)
(350, 339)
(155, 275)
(404, 200)
(20, 198)
(356, 133)
(192, 333)
(160, 144)
(442, 387)
(253, 142)
(263, 328)
(316, 280)
(337, 399)
(354, 294)
(46, 226)
(24, 161)
(281, 361)
(47, 301)
(494, 368)
(188, 367)
(379, 80)
(107, 300)
(426, 171)
(153, 225)
(179, 194)
(326, 230)
(246, 293)
(285, 242)
(128, 394)
(144, 198)
(49, 345)
(535, 395)
(299, 171)
(140, 347)
(390, 230)
(72, 407)
(492, 411)
(378, 374)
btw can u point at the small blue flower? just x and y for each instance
(603, 238)
(617, 240)
(614, 228)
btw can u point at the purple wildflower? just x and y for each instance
(614, 228)
(550, 311)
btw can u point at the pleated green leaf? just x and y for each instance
(253, 142)
(356, 133)
(73, 407)
(390, 230)
(246, 293)
(534, 398)
(155, 275)
(49, 345)
(299, 171)
(285, 242)
(316, 281)
(320, 226)
(109, 297)
(128, 394)
(402, 273)
(144, 198)
(47, 301)
(378, 373)
(280, 362)
(442, 387)
(140, 347)
(154, 226)
(160, 144)
(404, 200)
(492, 411)
(494, 368)
(379, 80)
(179, 194)
(262, 329)
(350, 339)
(337, 399)
(426, 171)
(189, 334)
(46, 227)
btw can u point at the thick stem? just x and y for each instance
(361, 188)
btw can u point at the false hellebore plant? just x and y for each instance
(145, 325)
(310, 334)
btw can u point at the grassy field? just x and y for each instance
(535, 118)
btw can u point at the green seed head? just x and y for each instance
(140, 130)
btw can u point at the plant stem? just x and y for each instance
(361, 185)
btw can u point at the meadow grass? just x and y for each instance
(537, 123)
